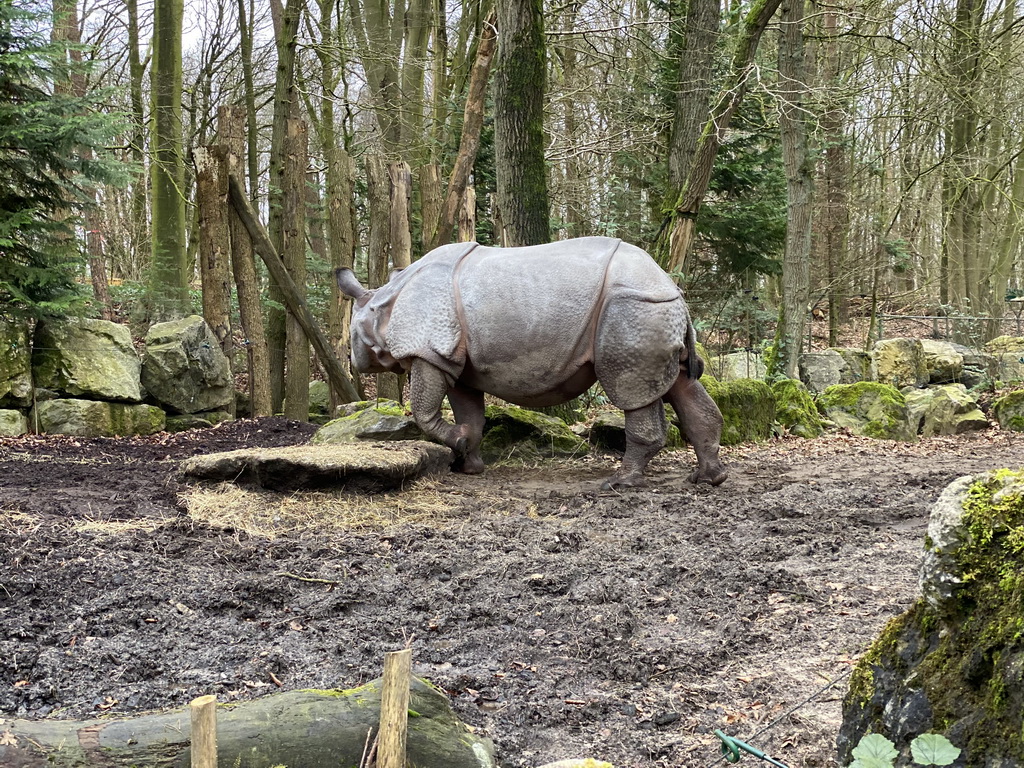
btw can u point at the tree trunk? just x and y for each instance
(294, 253)
(231, 121)
(797, 159)
(214, 241)
(519, 85)
(286, 105)
(248, 80)
(336, 374)
(467, 216)
(168, 286)
(137, 140)
(400, 198)
(300, 729)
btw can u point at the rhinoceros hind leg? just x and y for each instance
(645, 435)
(468, 407)
(427, 387)
(701, 424)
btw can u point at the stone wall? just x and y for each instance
(85, 377)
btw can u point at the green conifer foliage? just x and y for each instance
(43, 176)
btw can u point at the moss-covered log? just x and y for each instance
(298, 729)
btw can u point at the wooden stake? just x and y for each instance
(204, 732)
(295, 303)
(394, 709)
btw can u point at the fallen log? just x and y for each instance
(297, 729)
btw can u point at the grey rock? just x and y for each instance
(944, 363)
(738, 365)
(940, 573)
(365, 467)
(15, 365)
(95, 418)
(184, 367)
(12, 423)
(90, 359)
(821, 370)
(899, 363)
(948, 409)
(378, 420)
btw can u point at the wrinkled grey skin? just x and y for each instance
(538, 326)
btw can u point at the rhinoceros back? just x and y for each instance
(533, 317)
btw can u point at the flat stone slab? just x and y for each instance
(366, 467)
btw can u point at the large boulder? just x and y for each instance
(899, 363)
(944, 410)
(954, 663)
(821, 370)
(12, 423)
(748, 409)
(857, 365)
(868, 408)
(89, 359)
(1009, 411)
(184, 368)
(364, 467)
(1004, 344)
(944, 362)
(1008, 367)
(739, 365)
(795, 409)
(510, 431)
(977, 366)
(15, 365)
(95, 418)
(370, 420)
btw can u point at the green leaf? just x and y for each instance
(871, 762)
(933, 749)
(876, 747)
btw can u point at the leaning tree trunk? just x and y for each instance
(300, 729)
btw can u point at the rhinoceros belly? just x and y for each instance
(528, 317)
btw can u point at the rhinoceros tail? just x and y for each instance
(694, 365)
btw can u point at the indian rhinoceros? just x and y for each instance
(538, 326)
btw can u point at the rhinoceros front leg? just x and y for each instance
(427, 387)
(645, 435)
(701, 424)
(468, 407)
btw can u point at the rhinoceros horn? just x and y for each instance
(348, 284)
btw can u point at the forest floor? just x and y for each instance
(563, 621)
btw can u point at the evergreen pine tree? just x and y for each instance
(44, 177)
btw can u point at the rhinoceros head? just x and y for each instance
(369, 320)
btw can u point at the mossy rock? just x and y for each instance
(748, 409)
(15, 365)
(899, 363)
(795, 409)
(375, 420)
(948, 409)
(1005, 344)
(319, 398)
(510, 431)
(609, 431)
(94, 418)
(954, 663)
(869, 409)
(1009, 411)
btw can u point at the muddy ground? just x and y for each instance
(562, 620)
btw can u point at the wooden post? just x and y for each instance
(204, 732)
(394, 709)
(296, 305)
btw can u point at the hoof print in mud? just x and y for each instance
(366, 467)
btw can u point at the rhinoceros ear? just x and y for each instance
(348, 284)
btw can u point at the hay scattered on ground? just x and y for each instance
(268, 514)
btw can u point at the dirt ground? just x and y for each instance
(562, 620)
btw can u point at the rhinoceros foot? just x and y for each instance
(631, 480)
(709, 475)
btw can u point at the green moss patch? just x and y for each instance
(868, 408)
(510, 431)
(795, 408)
(747, 406)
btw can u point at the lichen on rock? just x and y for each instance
(868, 408)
